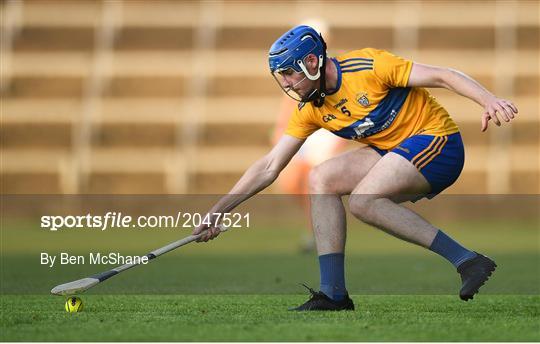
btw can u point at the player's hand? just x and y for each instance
(498, 107)
(212, 232)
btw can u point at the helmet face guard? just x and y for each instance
(282, 78)
(287, 55)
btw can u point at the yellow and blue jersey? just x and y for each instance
(372, 103)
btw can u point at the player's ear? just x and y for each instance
(312, 62)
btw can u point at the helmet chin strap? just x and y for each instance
(317, 95)
(319, 101)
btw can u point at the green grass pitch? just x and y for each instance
(238, 288)
(265, 318)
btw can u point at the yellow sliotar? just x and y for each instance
(74, 305)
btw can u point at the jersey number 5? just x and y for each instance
(345, 111)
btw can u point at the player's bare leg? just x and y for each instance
(375, 201)
(328, 182)
(393, 179)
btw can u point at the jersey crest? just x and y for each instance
(362, 99)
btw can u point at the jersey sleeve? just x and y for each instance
(393, 70)
(300, 124)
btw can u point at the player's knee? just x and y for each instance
(361, 206)
(320, 181)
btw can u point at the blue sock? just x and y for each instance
(445, 246)
(332, 268)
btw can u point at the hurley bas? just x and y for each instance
(94, 258)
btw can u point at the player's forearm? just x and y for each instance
(259, 176)
(466, 86)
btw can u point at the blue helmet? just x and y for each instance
(290, 50)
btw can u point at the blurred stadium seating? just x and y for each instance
(175, 97)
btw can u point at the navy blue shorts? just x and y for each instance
(440, 159)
